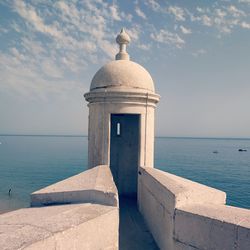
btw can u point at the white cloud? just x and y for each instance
(17, 55)
(33, 46)
(109, 48)
(245, 25)
(206, 20)
(134, 32)
(144, 46)
(66, 9)
(61, 39)
(29, 14)
(153, 5)
(177, 12)
(199, 9)
(3, 30)
(140, 13)
(23, 77)
(224, 18)
(69, 32)
(235, 12)
(220, 13)
(58, 40)
(50, 69)
(126, 16)
(15, 27)
(165, 36)
(199, 52)
(115, 12)
(185, 30)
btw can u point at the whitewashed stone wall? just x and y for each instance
(182, 214)
(63, 227)
(95, 185)
(83, 213)
(213, 227)
(102, 105)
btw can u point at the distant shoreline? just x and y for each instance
(207, 138)
(43, 135)
(158, 136)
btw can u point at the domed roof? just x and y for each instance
(122, 74)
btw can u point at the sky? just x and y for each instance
(197, 52)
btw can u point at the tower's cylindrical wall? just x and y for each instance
(98, 136)
(99, 131)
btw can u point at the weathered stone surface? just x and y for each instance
(122, 73)
(95, 185)
(102, 105)
(177, 191)
(67, 227)
(182, 214)
(158, 220)
(207, 226)
(160, 193)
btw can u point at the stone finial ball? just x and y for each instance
(123, 38)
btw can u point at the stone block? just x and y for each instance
(159, 221)
(212, 226)
(183, 191)
(64, 227)
(192, 230)
(95, 185)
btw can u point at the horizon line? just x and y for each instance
(157, 136)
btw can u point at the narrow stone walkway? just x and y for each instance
(133, 233)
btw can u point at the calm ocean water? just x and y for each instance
(28, 163)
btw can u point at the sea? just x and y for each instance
(28, 163)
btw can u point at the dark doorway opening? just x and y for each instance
(124, 160)
(124, 152)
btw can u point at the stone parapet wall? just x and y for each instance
(214, 227)
(83, 213)
(95, 185)
(182, 214)
(65, 227)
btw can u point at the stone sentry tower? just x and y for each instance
(122, 103)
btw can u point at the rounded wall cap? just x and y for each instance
(122, 74)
